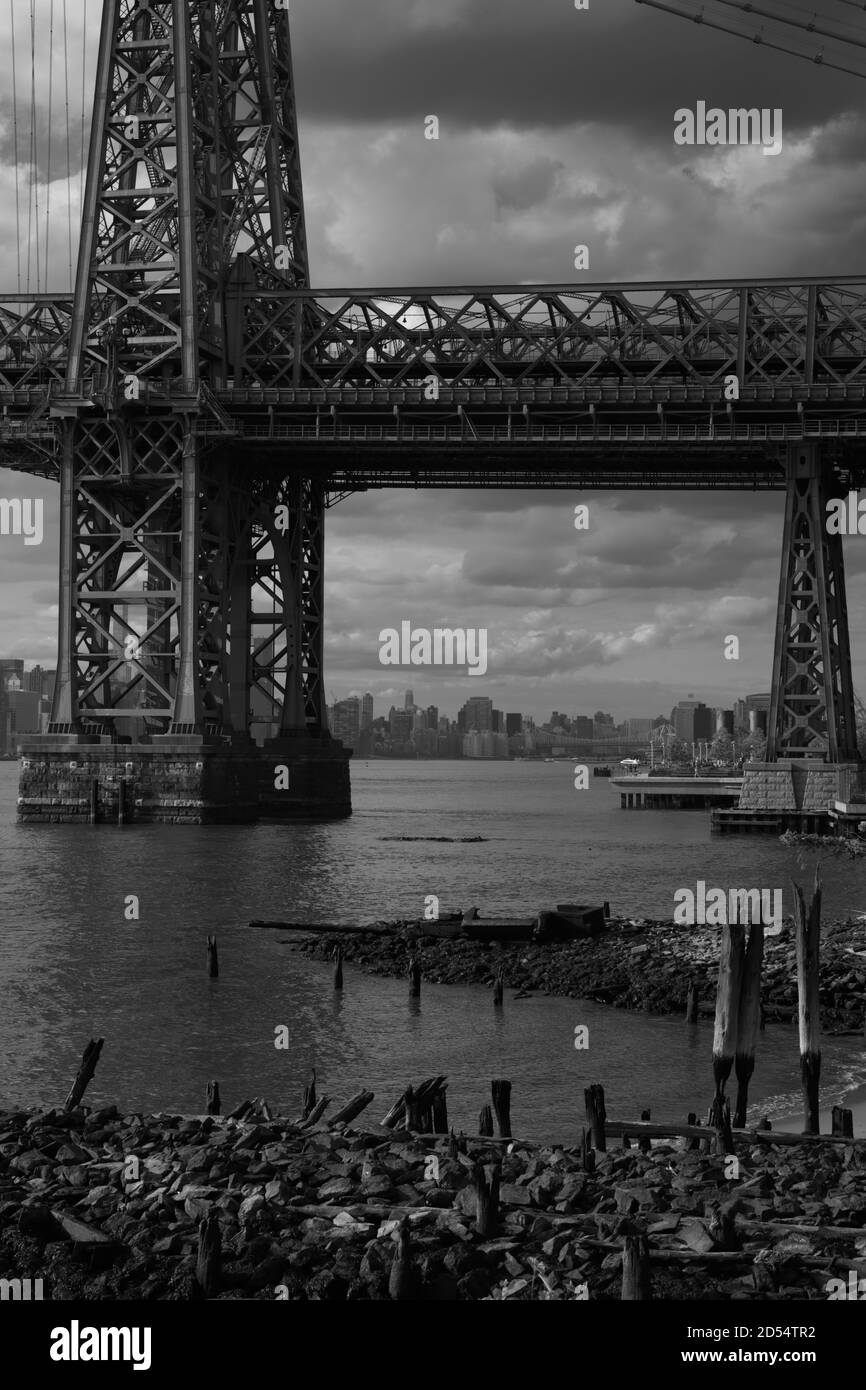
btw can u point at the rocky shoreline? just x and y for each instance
(106, 1206)
(642, 965)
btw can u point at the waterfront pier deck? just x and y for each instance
(676, 793)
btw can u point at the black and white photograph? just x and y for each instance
(432, 676)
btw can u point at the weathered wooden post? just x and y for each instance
(691, 1002)
(727, 1003)
(749, 1019)
(413, 1111)
(485, 1122)
(209, 1256)
(487, 1199)
(843, 1122)
(587, 1152)
(401, 1278)
(309, 1097)
(338, 967)
(593, 1097)
(453, 1146)
(645, 1145)
(84, 1074)
(213, 1098)
(807, 927)
(498, 989)
(692, 1119)
(439, 1118)
(501, 1091)
(719, 1119)
(213, 965)
(414, 978)
(636, 1282)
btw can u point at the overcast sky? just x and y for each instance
(556, 128)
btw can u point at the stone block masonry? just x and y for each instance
(798, 785)
(63, 781)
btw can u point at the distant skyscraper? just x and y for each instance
(11, 669)
(366, 711)
(513, 724)
(401, 726)
(409, 702)
(432, 716)
(693, 720)
(477, 713)
(346, 721)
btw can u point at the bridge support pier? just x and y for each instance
(183, 782)
(812, 758)
(190, 629)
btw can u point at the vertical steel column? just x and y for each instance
(812, 695)
(64, 710)
(291, 556)
(188, 697)
(313, 604)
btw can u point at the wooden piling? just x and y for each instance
(414, 978)
(317, 1112)
(501, 1092)
(401, 1278)
(412, 1110)
(692, 1119)
(843, 1122)
(440, 1113)
(593, 1097)
(719, 1119)
(749, 1019)
(213, 965)
(338, 967)
(213, 1098)
(353, 1107)
(485, 1121)
(453, 1146)
(84, 1074)
(587, 1152)
(635, 1269)
(727, 1003)
(310, 1097)
(692, 1003)
(209, 1256)
(807, 928)
(498, 989)
(644, 1144)
(487, 1199)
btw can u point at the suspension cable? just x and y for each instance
(68, 142)
(50, 120)
(33, 185)
(83, 105)
(15, 142)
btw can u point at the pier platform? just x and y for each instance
(643, 793)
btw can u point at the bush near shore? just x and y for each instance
(642, 965)
(313, 1214)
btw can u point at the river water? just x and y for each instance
(72, 966)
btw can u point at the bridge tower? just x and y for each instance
(812, 759)
(189, 675)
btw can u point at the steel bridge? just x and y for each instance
(201, 406)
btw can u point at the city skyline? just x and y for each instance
(540, 720)
(632, 607)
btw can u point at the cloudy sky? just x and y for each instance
(556, 128)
